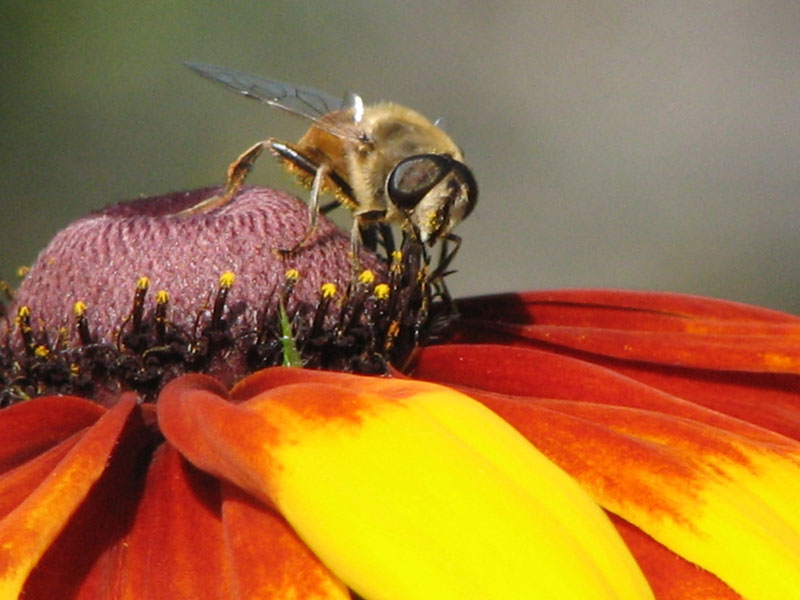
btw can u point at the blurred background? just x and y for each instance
(638, 145)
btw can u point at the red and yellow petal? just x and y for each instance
(725, 503)
(267, 557)
(29, 428)
(29, 530)
(83, 561)
(671, 576)
(717, 491)
(404, 489)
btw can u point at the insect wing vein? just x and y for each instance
(300, 101)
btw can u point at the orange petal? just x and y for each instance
(83, 561)
(660, 328)
(211, 408)
(769, 400)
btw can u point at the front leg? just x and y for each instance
(446, 256)
(237, 173)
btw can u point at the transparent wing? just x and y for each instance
(297, 100)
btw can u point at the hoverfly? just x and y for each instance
(384, 162)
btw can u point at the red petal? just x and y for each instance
(31, 427)
(662, 328)
(536, 373)
(621, 309)
(733, 358)
(176, 547)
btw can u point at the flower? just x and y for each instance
(566, 444)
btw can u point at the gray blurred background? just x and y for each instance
(639, 145)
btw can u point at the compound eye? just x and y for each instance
(414, 177)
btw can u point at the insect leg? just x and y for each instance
(378, 233)
(241, 167)
(355, 244)
(332, 205)
(445, 257)
(313, 208)
(237, 173)
(387, 237)
(369, 237)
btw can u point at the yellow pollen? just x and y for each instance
(23, 271)
(366, 276)
(143, 283)
(79, 308)
(381, 291)
(394, 329)
(41, 351)
(162, 297)
(397, 256)
(328, 290)
(292, 274)
(74, 368)
(24, 312)
(226, 279)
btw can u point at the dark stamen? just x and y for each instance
(82, 323)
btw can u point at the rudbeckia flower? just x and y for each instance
(566, 445)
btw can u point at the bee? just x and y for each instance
(386, 163)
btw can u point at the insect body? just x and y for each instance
(385, 162)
